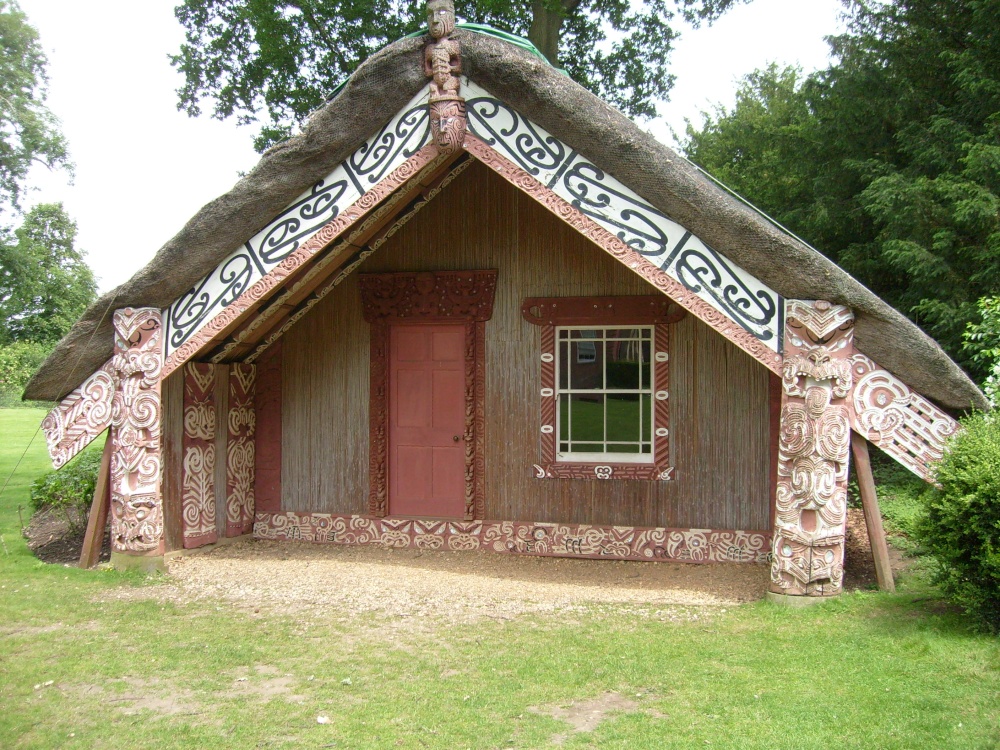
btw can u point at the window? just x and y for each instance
(604, 395)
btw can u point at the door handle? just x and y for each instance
(456, 438)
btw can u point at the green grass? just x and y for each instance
(866, 671)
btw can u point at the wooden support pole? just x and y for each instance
(873, 517)
(98, 518)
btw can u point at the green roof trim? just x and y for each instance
(478, 28)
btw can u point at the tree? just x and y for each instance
(28, 131)
(282, 59)
(45, 284)
(895, 159)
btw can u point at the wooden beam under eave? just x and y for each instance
(93, 539)
(305, 283)
(873, 516)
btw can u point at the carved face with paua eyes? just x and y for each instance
(440, 18)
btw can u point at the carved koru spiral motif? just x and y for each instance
(443, 65)
(136, 508)
(814, 439)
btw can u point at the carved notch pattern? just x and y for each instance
(897, 419)
(136, 502)
(198, 465)
(433, 297)
(813, 449)
(520, 537)
(240, 450)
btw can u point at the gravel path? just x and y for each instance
(342, 582)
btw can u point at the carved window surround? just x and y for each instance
(464, 297)
(654, 310)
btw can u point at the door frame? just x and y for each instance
(393, 299)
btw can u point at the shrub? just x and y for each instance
(18, 362)
(961, 527)
(69, 490)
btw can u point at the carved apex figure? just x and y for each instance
(443, 65)
(814, 439)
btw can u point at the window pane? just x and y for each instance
(647, 416)
(623, 418)
(622, 365)
(564, 416)
(564, 365)
(587, 419)
(625, 448)
(586, 366)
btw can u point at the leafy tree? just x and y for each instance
(889, 160)
(982, 341)
(278, 61)
(28, 131)
(45, 284)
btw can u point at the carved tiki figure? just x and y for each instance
(136, 513)
(441, 59)
(811, 496)
(442, 64)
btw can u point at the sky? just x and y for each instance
(142, 168)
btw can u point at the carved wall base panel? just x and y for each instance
(80, 417)
(240, 458)
(430, 297)
(515, 537)
(813, 448)
(897, 419)
(198, 467)
(136, 500)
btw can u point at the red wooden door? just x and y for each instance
(427, 421)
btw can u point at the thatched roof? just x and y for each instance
(382, 86)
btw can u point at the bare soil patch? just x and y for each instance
(584, 716)
(53, 539)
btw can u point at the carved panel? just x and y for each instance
(240, 459)
(603, 311)
(891, 415)
(80, 417)
(136, 501)
(653, 240)
(813, 449)
(517, 537)
(432, 297)
(688, 297)
(427, 158)
(198, 466)
(399, 140)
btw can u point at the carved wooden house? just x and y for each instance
(471, 307)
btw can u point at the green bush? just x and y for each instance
(18, 362)
(961, 527)
(69, 490)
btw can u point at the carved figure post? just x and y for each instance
(443, 65)
(136, 500)
(814, 445)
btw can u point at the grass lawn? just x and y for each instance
(83, 667)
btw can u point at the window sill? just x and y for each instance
(575, 470)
